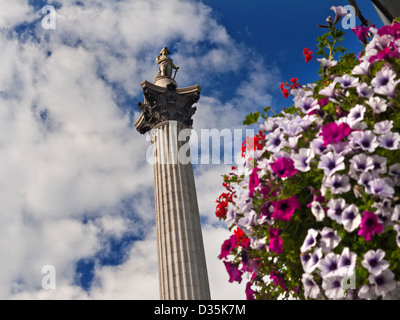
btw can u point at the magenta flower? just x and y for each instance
(275, 241)
(228, 246)
(284, 209)
(361, 33)
(249, 292)
(254, 181)
(278, 280)
(369, 225)
(234, 273)
(283, 167)
(393, 30)
(333, 133)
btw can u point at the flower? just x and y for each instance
(389, 140)
(384, 282)
(340, 12)
(356, 115)
(228, 246)
(275, 141)
(275, 241)
(383, 126)
(338, 183)
(329, 265)
(302, 160)
(374, 262)
(347, 262)
(310, 240)
(369, 225)
(327, 63)
(377, 104)
(317, 210)
(361, 33)
(307, 54)
(365, 140)
(311, 289)
(254, 181)
(333, 287)
(361, 162)
(333, 133)
(234, 273)
(380, 188)
(310, 261)
(365, 91)
(249, 292)
(283, 167)
(384, 82)
(362, 69)
(347, 81)
(284, 209)
(351, 218)
(336, 208)
(285, 92)
(329, 239)
(331, 163)
(307, 104)
(278, 280)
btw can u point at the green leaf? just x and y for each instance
(251, 118)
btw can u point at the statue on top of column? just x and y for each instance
(166, 65)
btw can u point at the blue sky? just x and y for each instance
(77, 192)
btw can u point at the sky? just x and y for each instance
(76, 189)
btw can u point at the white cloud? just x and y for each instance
(73, 170)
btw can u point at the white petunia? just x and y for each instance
(356, 115)
(310, 261)
(396, 228)
(394, 172)
(367, 292)
(333, 287)
(389, 140)
(379, 164)
(377, 104)
(311, 289)
(329, 265)
(361, 162)
(331, 163)
(384, 282)
(381, 188)
(364, 90)
(336, 208)
(384, 82)
(310, 240)
(383, 126)
(351, 218)
(307, 104)
(317, 211)
(347, 263)
(361, 69)
(374, 262)
(329, 239)
(275, 141)
(302, 160)
(347, 81)
(396, 213)
(365, 140)
(317, 145)
(338, 183)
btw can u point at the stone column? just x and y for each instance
(166, 114)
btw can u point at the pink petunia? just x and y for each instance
(284, 209)
(369, 225)
(234, 273)
(284, 167)
(254, 181)
(275, 241)
(333, 133)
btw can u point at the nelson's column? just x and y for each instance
(167, 115)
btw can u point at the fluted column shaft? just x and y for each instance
(181, 258)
